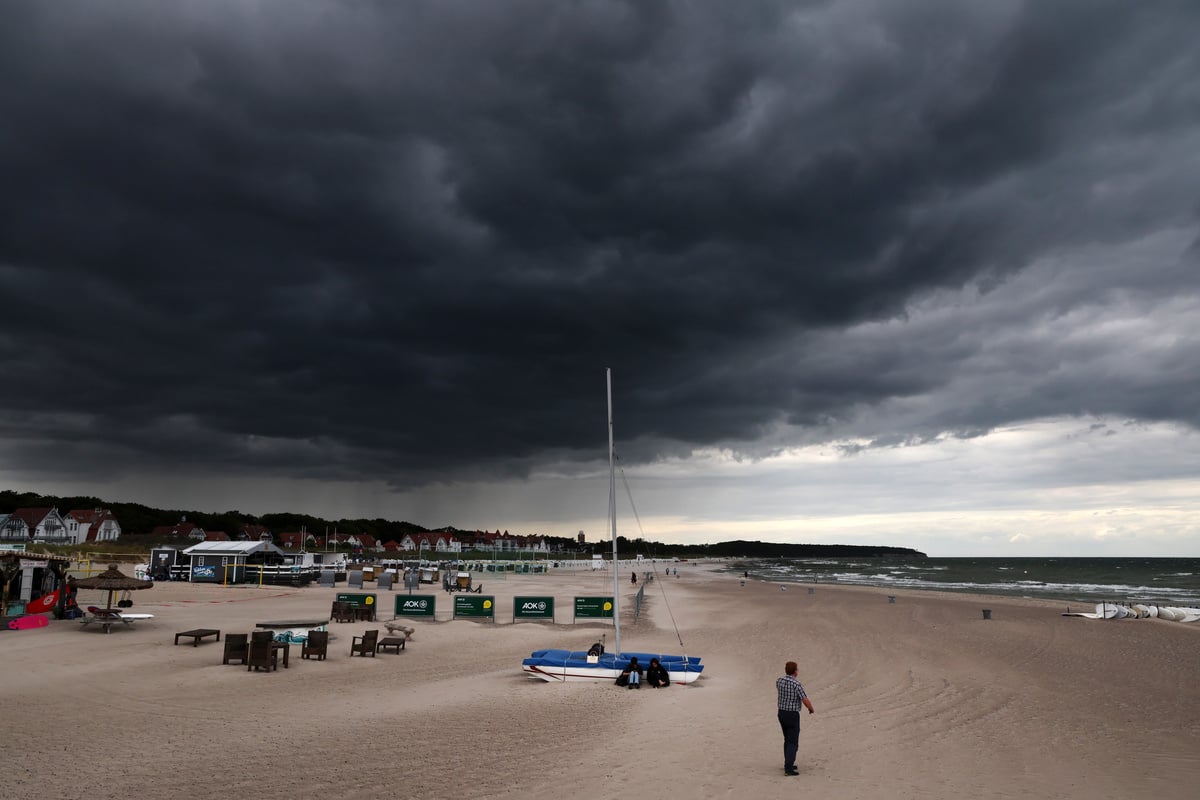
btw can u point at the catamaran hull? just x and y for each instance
(565, 666)
(580, 675)
(552, 674)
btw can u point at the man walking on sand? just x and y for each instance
(791, 697)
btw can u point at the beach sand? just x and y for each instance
(920, 698)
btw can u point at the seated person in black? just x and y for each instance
(631, 676)
(656, 674)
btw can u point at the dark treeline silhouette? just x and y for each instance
(779, 550)
(137, 521)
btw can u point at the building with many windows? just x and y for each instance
(92, 525)
(35, 525)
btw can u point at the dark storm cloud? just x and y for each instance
(398, 239)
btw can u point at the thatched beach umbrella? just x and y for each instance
(113, 580)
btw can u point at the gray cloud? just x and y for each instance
(401, 241)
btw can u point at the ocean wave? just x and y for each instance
(1076, 591)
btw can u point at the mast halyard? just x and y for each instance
(612, 515)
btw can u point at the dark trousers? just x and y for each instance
(790, 722)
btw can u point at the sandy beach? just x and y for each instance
(917, 698)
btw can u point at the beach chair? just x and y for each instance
(326, 578)
(355, 581)
(384, 581)
(236, 647)
(343, 612)
(261, 653)
(316, 646)
(365, 645)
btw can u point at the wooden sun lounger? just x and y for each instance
(197, 634)
(107, 620)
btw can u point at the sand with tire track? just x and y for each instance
(920, 698)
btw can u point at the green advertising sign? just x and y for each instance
(415, 605)
(533, 608)
(357, 599)
(593, 607)
(474, 606)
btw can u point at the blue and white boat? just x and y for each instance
(581, 665)
(577, 665)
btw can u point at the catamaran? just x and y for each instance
(588, 665)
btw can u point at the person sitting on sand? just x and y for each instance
(656, 675)
(631, 676)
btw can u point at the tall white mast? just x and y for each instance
(612, 515)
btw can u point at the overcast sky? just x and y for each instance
(921, 273)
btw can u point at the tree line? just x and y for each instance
(138, 521)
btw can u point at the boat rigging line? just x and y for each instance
(642, 534)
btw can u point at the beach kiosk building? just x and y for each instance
(227, 562)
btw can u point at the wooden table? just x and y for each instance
(197, 634)
(391, 641)
(286, 648)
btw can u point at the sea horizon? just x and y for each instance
(1159, 581)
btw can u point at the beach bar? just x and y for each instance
(227, 562)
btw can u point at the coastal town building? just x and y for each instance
(364, 542)
(254, 533)
(44, 525)
(296, 540)
(92, 525)
(227, 562)
(180, 530)
(433, 542)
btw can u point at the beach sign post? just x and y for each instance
(537, 608)
(475, 606)
(415, 605)
(593, 608)
(356, 599)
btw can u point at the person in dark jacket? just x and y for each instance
(656, 675)
(631, 676)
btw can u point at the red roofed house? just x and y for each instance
(35, 525)
(445, 543)
(216, 536)
(414, 543)
(364, 540)
(180, 530)
(333, 540)
(92, 525)
(296, 540)
(254, 533)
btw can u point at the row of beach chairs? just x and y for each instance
(259, 650)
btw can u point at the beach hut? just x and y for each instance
(167, 563)
(228, 562)
(29, 576)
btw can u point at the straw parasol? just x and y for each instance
(113, 580)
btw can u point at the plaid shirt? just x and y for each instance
(791, 693)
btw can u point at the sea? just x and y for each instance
(1154, 581)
